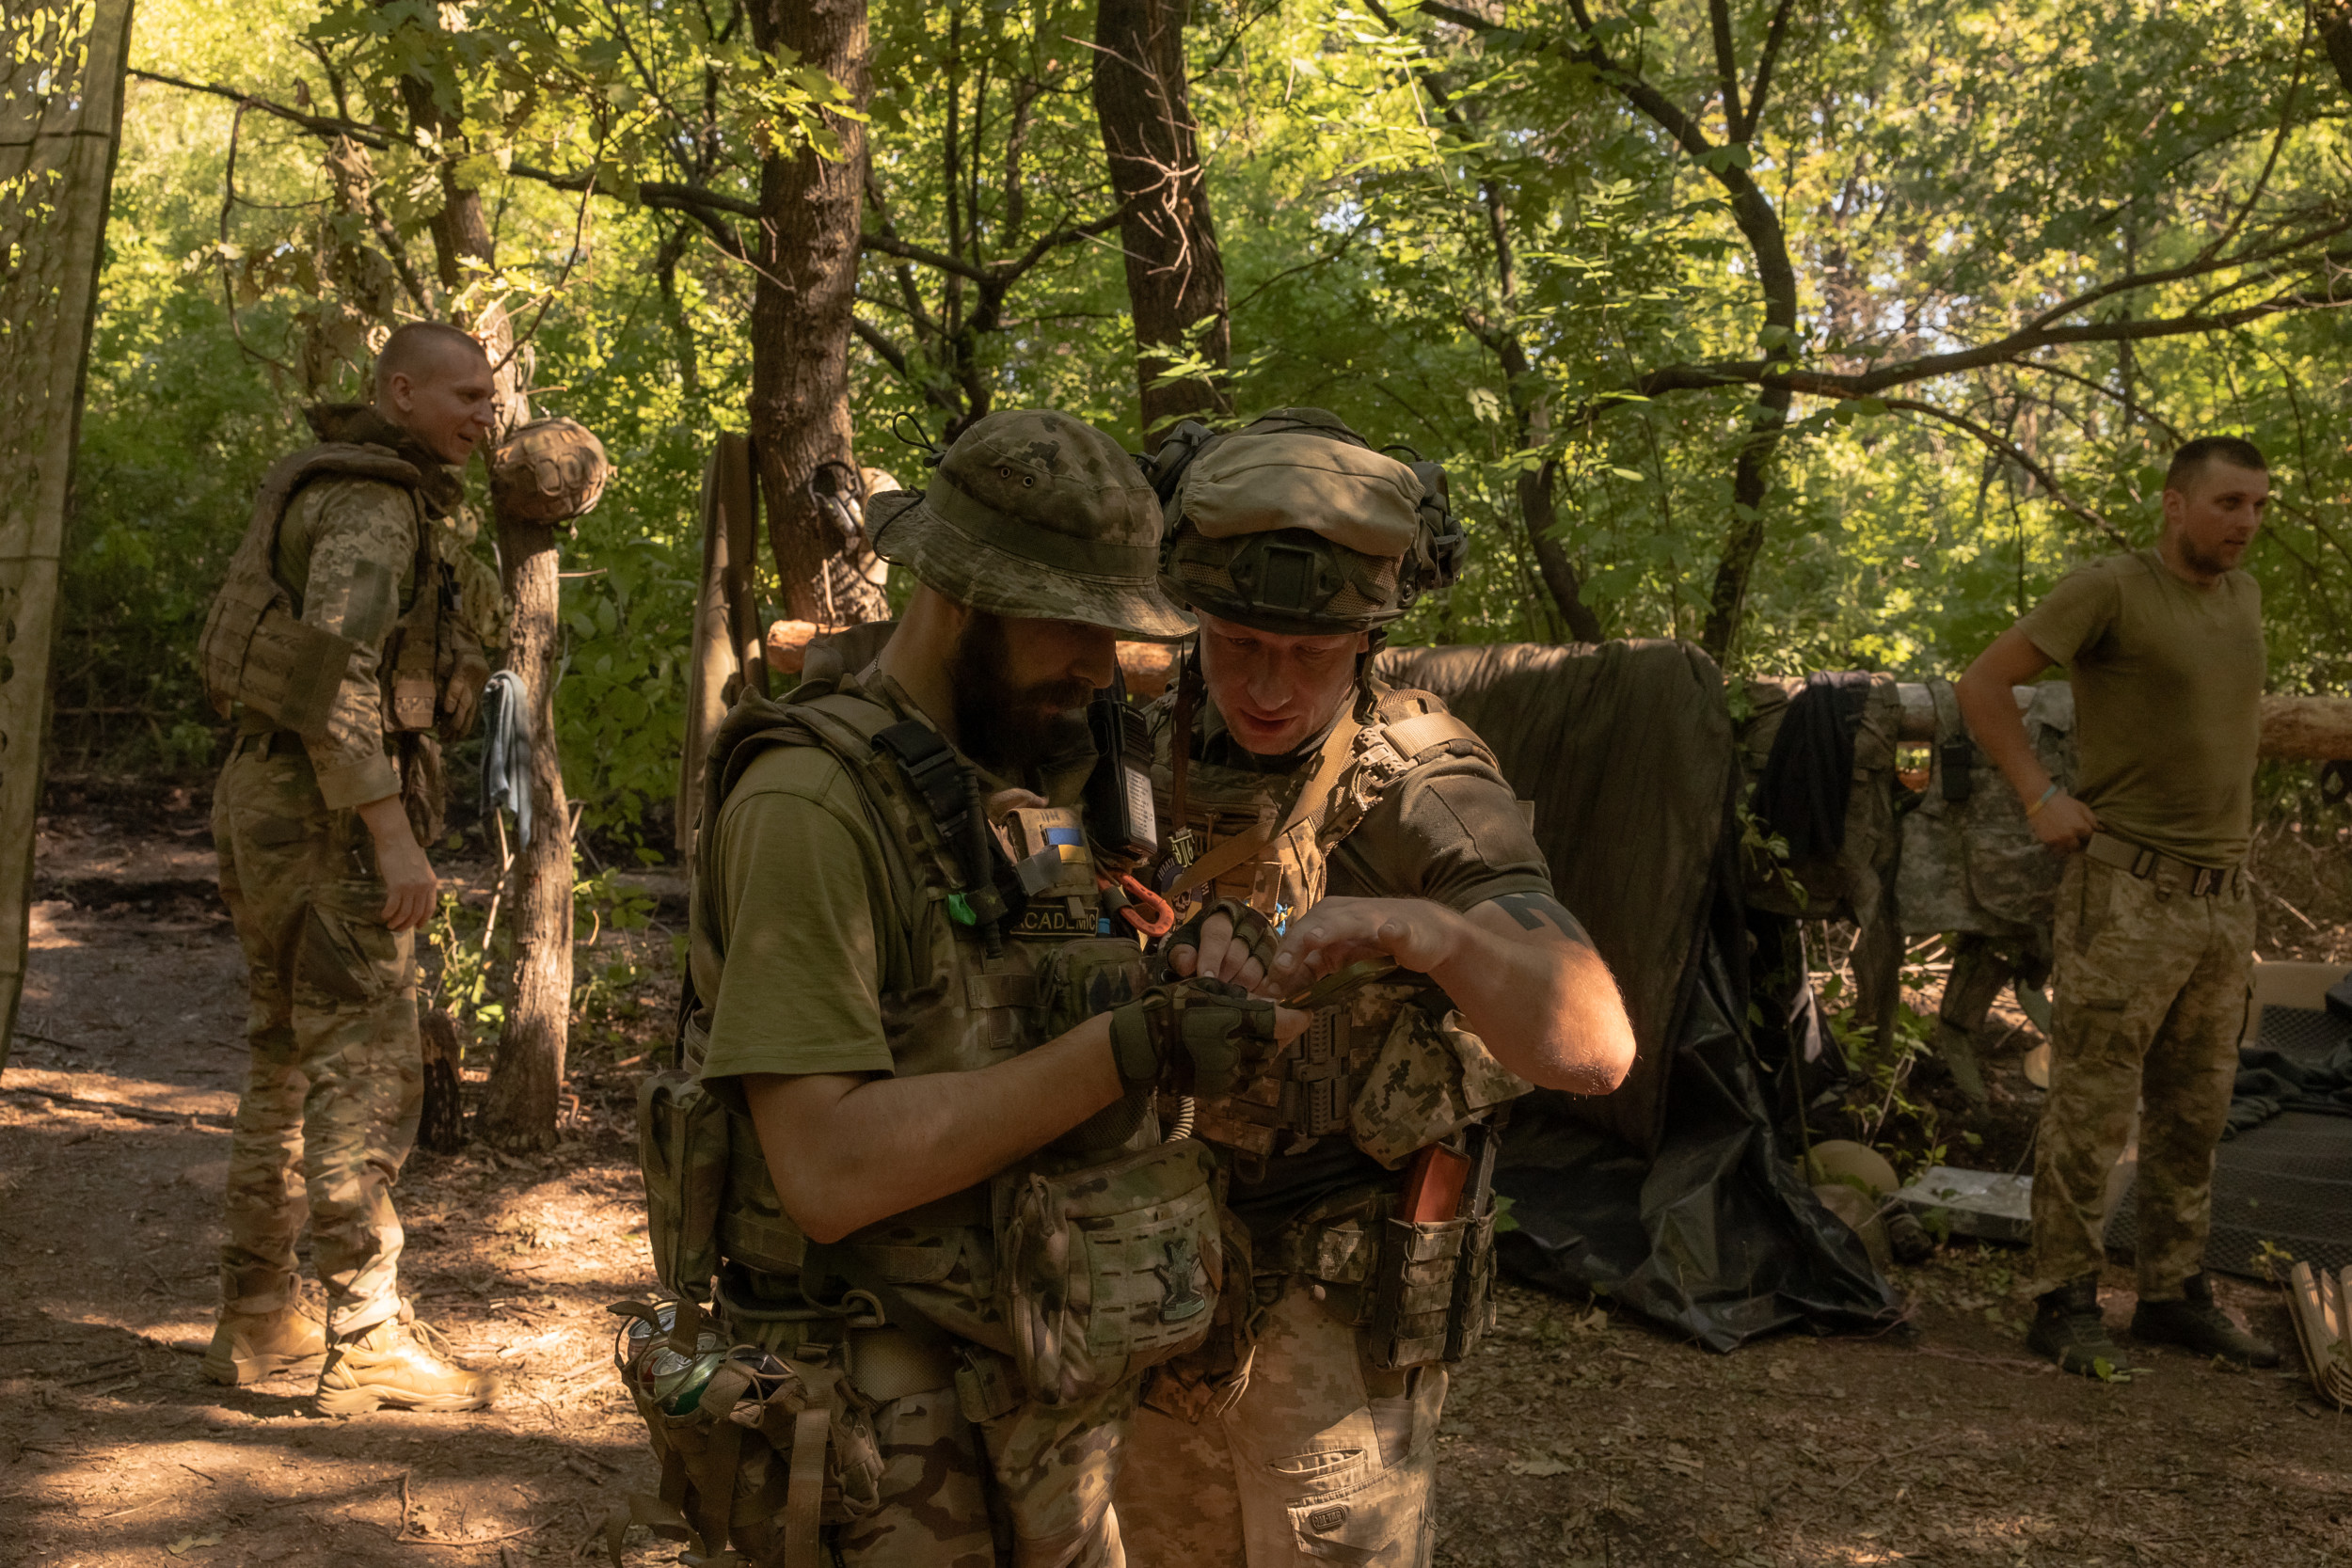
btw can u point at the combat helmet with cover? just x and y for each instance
(1294, 525)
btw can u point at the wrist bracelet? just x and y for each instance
(2044, 801)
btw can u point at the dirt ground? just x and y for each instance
(1573, 1437)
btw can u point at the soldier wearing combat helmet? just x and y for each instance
(911, 1160)
(1418, 923)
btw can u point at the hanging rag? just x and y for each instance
(506, 750)
(1808, 775)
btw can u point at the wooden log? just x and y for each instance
(442, 1125)
(2294, 728)
(1148, 666)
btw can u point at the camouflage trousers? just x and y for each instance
(1322, 1457)
(1030, 1488)
(331, 1099)
(2151, 995)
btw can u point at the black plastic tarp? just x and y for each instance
(1673, 1196)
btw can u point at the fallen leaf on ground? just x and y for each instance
(187, 1544)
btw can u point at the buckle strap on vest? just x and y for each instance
(1307, 807)
(930, 766)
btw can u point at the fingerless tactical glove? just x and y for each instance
(1250, 928)
(1194, 1034)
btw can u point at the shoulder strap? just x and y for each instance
(1307, 808)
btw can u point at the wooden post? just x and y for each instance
(60, 122)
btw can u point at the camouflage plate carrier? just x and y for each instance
(1064, 1279)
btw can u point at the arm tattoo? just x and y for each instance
(1534, 911)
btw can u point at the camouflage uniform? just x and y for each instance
(2152, 996)
(1322, 1445)
(330, 1106)
(838, 926)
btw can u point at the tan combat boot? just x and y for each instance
(389, 1365)
(250, 1346)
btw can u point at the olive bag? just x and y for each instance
(1106, 1270)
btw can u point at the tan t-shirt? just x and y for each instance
(2168, 701)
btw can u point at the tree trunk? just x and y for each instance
(518, 1109)
(1175, 274)
(59, 132)
(807, 254)
(1750, 478)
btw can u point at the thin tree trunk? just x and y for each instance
(808, 250)
(519, 1107)
(1175, 274)
(59, 128)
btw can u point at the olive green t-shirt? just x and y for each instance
(2168, 701)
(804, 909)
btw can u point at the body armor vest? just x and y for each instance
(1372, 1065)
(951, 1004)
(257, 651)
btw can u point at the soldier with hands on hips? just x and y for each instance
(1416, 924)
(2155, 924)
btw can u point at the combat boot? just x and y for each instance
(2067, 1329)
(2195, 1323)
(250, 1346)
(390, 1365)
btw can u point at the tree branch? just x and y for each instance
(1764, 63)
(2002, 445)
(1726, 68)
(664, 194)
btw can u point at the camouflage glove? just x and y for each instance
(1195, 1035)
(1250, 928)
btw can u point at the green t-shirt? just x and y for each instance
(801, 875)
(812, 940)
(2168, 701)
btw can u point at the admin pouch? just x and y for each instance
(1107, 1270)
(756, 1452)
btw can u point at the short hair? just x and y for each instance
(413, 347)
(2191, 459)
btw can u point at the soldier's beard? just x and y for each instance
(1005, 725)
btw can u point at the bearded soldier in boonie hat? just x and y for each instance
(946, 1292)
(1417, 922)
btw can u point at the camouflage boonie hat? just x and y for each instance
(1037, 515)
(547, 471)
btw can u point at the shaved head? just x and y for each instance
(435, 381)
(420, 350)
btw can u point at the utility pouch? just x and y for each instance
(682, 1148)
(1432, 1077)
(756, 1453)
(1209, 1379)
(1414, 1290)
(1432, 1294)
(1108, 1270)
(1089, 975)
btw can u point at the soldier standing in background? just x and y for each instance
(1374, 825)
(2155, 925)
(339, 644)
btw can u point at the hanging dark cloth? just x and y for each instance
(506, 750)
(1809, 774)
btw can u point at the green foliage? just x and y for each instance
(1472, 242)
